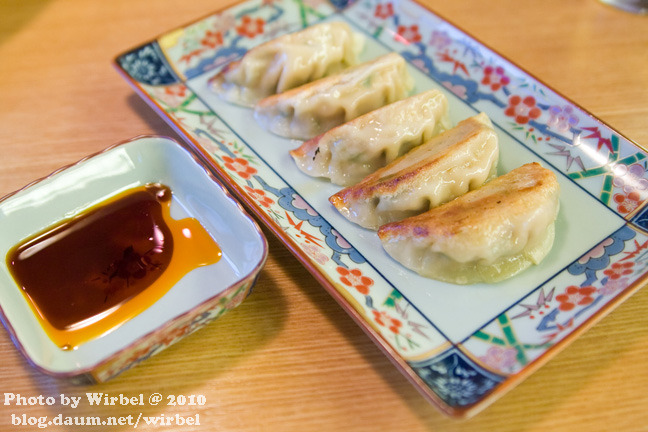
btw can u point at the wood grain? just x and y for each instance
(289, 358)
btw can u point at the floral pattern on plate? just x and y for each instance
(460, 378)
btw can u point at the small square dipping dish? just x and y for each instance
(199, 297)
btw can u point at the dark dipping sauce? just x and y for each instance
(81, 275)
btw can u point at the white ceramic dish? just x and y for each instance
(462, 347)
(198, 297)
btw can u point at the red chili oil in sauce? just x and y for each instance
(89, 274)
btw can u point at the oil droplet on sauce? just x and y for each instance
(91, 273)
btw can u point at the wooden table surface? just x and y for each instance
(289, 358)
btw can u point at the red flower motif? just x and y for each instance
(408, 34)
(354, 278)
(393, 324)
(498, 80)
(240, 166)
(212, 39)
(260, 196)
(250, 27)
(575, 296)
(619, 269)
(173, 95)
(627, 203)
(176, 333)
(522, 110)
(384, 10)
(177, 90)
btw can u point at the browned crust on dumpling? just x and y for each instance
(380, 183)
(474, 212)
(309, 146)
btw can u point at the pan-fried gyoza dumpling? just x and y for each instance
(348, 153)
(488, 234)
(287, 62)
(312, 109)
(443, 168)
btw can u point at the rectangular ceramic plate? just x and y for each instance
(461, 346)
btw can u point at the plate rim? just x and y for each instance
(404, 367)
